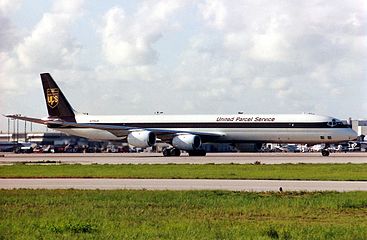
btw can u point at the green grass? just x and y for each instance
(352, 172)
(78, 214)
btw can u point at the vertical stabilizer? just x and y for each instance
(57, 105)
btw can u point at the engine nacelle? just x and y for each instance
(186, 142)
(141, 139)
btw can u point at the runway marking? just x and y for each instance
(184, 184)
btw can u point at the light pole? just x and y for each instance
(8, 129)
(13, 135)
(17, 131)
(25, 131)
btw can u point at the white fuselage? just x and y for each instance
(280, 128)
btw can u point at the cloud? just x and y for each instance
(122, 47)
(8, 39)
(130, 56)
(127, 39)
(214, 13)
(298, 55)
(50, 43)
(7, 7)
(8, 33)
(8, 83)
(48, 46)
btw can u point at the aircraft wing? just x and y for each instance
(119, 131)
(123, 131)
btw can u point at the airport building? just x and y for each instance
(360, 126)
(42, 138)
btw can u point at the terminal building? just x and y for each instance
(42, 138)
(360, 126)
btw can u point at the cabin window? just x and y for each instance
(328, 137)
(322, 137)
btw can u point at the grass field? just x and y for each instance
(350, 172)
(78, 214)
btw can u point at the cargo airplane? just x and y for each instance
(189, 132)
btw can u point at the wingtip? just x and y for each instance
(8, 115)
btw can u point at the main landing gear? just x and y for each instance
(167, 152)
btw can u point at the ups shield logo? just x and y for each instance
(52, 97)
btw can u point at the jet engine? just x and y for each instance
(186, 142)
(142, 139)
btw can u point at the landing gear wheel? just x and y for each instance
(175, 152)
(325, 153)
(167, 152)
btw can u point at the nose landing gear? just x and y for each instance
(325, 152)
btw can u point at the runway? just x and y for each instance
(183, 184)
(157, 158)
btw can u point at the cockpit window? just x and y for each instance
(335, 122)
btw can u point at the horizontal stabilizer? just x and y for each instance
(28, 119)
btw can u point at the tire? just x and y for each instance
(166, 152)
(325, 153)
(178, 152)
(175, 152)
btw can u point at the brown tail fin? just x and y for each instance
(57, 104)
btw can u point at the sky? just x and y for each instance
(186, 57)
